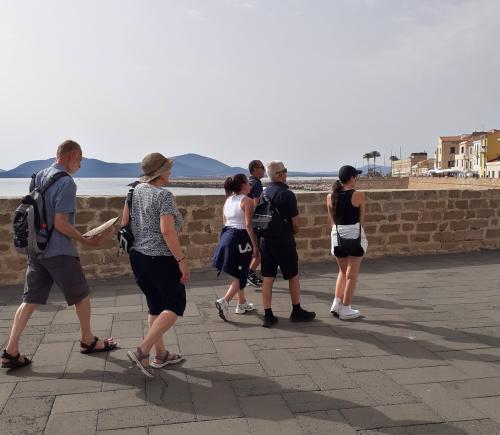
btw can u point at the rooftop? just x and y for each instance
(424, 359)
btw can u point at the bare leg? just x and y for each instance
(234, 288)
(352, 278)
(267, 292)
(23, 314)
(241, 297)
(341, 278)
(159, 345)
(294, 289)
(161, 324)
(83, 312)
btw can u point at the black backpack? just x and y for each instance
(31, 232)
(125, 236)
(267, 221)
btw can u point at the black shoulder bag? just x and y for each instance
(125, 236)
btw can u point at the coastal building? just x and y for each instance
(403, 167)
(463, 160)
(421, 168)
(485, 148)
(493, 168)
(448, 147)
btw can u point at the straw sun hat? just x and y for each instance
(154, 165)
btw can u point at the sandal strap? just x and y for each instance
(141, 355)
(89, 346)
(10, 357)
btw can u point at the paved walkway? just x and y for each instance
(425, 359)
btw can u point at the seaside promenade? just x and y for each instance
(425, 359)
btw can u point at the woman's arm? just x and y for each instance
(358, 200)
(247, 206)
(167, 228)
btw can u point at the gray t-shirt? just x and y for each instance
(148, 204)
(59, 198)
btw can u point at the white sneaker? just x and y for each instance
(221, 305)
(347, 313)
(243, 308)
(336, 307)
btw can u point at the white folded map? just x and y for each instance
(101, 228)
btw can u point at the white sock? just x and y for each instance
(337, 300)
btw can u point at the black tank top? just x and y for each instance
(345, 212)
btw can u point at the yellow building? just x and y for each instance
(485, 148)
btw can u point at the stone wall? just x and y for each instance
(398, 222)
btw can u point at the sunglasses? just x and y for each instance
(283, 171)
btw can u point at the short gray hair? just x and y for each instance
(271, 168)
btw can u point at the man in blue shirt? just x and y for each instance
(281, 251)
(60, 262)
(257, 171)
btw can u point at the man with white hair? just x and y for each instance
(280, 250)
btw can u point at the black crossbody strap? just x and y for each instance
(129, 204)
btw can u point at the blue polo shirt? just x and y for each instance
(255, 187)
(59, 198)
(285, 201)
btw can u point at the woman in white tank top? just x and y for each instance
(237, 244)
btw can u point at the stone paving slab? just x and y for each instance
(424, 359)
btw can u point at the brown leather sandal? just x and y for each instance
(109, 344)
(14, 361)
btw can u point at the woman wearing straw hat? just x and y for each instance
(158, 262)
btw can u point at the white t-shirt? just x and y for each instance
(234, 214)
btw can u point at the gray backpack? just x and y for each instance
(31, 232)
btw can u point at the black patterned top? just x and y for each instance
(148, 204)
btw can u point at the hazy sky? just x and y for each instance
(316, 83)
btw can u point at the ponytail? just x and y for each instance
(235, 184)
(337, 188)
(228, 185)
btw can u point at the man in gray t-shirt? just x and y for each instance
(59, 262)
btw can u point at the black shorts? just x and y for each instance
(282, 254)
(341, 253)
(64, 270)
(159, 278)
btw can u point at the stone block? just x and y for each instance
(203, 213)
(116, 202)
(427, 227)
(471, 194)
(398, 238)
(478, 223)
(379, 196)
(6, 218)
(423, 237)
(389, 228)
(320, 243)
(459, 225)
(409, 216)
(485, 213)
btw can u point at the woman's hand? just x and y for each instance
(183, 266)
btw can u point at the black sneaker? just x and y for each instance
(269, 321)
(254, 280)
(302, 316)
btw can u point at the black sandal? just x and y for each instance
(91, 348)
(14, 362)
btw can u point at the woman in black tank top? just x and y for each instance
(346, 209)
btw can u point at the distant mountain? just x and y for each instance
(2, 170)
(186, 165)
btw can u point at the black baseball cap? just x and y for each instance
(347, 172)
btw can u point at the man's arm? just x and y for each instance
(61, 224)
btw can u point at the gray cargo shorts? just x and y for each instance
(64, 270)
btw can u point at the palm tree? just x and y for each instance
(374, 154)
(368, 156)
